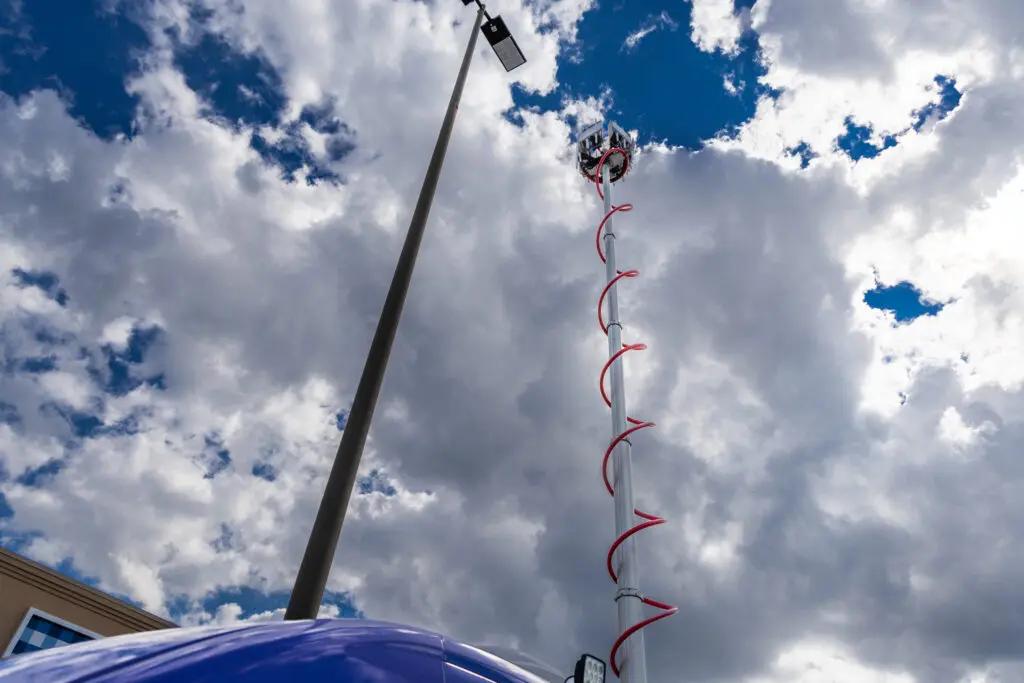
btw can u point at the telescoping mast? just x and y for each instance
(604, 157)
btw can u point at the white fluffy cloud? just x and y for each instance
(817, 527)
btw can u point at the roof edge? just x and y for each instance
(79, 593)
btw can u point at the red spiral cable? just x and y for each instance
(649, 519)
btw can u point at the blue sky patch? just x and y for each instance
(265, 471)
(43, 280)
(37, 365)
(9, 413)
(903, 300)
(40, 476)
(375, 482)
(245, 90)
(292, 152)
(126, 426)
(804, 153)
(661, 84)
(242, 90)
(253, 602)
(226, 540)
(122, 373)
(856, 140)
(86, 53)
(17, 541)
(857, 144)
(948, 100)
(44, 332)
(216, 457)
(83, 425)
(322, 119)
(88, 424)
(78, 49)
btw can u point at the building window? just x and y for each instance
(41, 631)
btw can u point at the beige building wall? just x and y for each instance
(25, 584)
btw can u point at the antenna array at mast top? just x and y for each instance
(592, 143)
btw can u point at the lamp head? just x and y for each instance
(589, 669)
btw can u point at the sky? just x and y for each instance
(201, 204)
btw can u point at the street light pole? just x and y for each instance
(311, 580)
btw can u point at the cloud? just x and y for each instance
(652, 24)
(815, 522)
(716, 25)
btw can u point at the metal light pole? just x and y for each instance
(308, 591)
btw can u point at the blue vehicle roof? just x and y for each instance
(321, 651)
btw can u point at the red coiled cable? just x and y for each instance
(649, 519)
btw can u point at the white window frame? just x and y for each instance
(35, 612)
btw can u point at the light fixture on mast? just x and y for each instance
(500, 39)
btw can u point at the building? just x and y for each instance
(41, 608)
